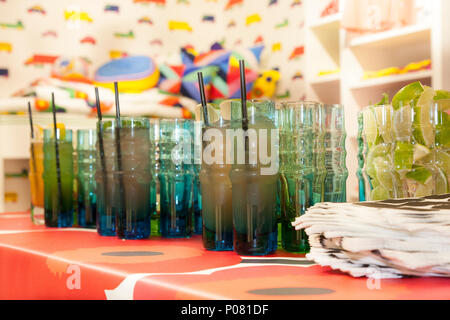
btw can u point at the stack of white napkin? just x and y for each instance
(384, 239)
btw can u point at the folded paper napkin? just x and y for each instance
(383, 239)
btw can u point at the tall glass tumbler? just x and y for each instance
(254, 176)
(176, 178)
(197, 166)
(107, 190)
(58, 188)
(87, 186)
(407, 149)
(193, 166)
(215, 182)
(155, 170)
(36, 179)
(133, 178)
(361, 155)
(319, 152)
(335, 154)
(384, 160)
(297, 171)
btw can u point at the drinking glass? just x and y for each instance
(254, 175)
(176, 178)
(215, 181)
(297, 170)
(87, 186)
(58, 178)
(36, 179)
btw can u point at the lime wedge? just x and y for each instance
(383, 173)
(383, 115)
(420, 152)
(420, 174)
(402, 123)
(379, 193)
(442, 95)
(370, 126)
(403, 156)
(442, 123)
(409, 93)
(443, 162)
(441, 182)
(379, 151)
(384, 101)
(422, 127)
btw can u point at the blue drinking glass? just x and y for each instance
(176, 178)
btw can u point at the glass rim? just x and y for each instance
(57, 129)
(105, 120)
(175, 120)
(333, 105)
(85, 130)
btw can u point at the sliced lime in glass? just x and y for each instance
(383, 116)
(378, 151)
(402, 122)
(442, 123)
(384, 100)
(442, 95)
(379, 193)
(422, 127)
(403, 156)
(383, 173)
(370, 126)
(420, 152)
(409, 93)
(441, 182)
(420, 174)
(443, 162)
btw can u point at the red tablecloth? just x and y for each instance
(45, 263)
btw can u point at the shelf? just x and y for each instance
(331, 20)
(385, 81)
(328, 79)
(394, 38)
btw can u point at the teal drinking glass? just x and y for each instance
(254, 176)
(176, 178)
(215, 182)
(297, 170)
(319, 152)
(133, 178)
(107, 190)
(58, 178)
(197, 224)
(87, 186)
(335, 154)
(361, 155)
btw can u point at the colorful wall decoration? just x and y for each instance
(35, 34)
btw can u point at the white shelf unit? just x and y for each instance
(15, 153)
(322, 53)
(328, 47)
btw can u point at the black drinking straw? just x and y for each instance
(243, 95)
(100, 140)
(100, 133)
(201, 86)
(58, 165)
(118, 147)
(244, 104)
